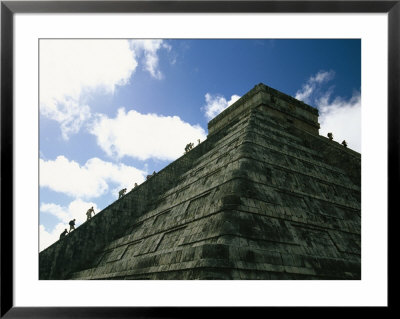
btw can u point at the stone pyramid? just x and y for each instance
(263, 197)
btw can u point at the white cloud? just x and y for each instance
(72, 70)
(88, 181)
(313, 84)
(215, 104)
(144, 136)
(76, 210)
(304, 93)
(149, 48)
(339, 116)
(47, 238)
(342, 118)
(322, 76)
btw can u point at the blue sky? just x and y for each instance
(113, 111)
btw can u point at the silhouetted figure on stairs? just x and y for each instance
(121, 193)
(64, 233)
(72, 225)
(89, 213)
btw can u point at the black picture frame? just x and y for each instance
(9, 8)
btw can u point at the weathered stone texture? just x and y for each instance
(264, 197)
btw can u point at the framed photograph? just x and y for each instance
(161, 156)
